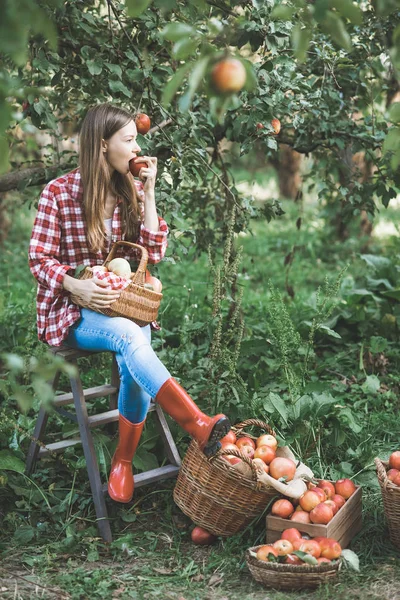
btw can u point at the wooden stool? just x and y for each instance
(78, 396)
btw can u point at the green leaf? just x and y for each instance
(349, 10)
(184, 47)
(24, 534)
(173, 84)
(282, 12)
(395, 294)
(378, 343)
(176, 31)
(392, 140)
(351, 559)
(394, 112)
(279, 406)
(329, 331)
(9, 462)
(300, 41)
(371, 385)
(334, 26)
(95, 67)
(118, 86)
(195, 78)
(136, 7)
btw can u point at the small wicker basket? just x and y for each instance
(136, 302)
(216, 496)
(391, 501)
(290, 577)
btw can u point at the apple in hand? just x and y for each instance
(135, 167)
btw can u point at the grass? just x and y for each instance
(55, 552)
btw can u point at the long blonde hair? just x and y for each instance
(101, 122)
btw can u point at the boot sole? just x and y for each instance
(220, 429)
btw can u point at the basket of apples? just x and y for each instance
(389, 480)
(223, 493)
(296, 561)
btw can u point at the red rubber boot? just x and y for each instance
(120, 482)
(177, 403)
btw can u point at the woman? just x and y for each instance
(80, 215)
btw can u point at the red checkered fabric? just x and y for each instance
(115, 282)
(58, 245)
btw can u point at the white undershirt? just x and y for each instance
(108, 226)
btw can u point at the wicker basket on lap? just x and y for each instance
(136, 302)
(216, 496)
(391, 501)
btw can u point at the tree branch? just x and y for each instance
(42, 175)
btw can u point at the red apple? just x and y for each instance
(282, 508)
(309, 500)
(300, 516)
(245, 441)
(328, 488)
(392, 473)
(333, 506)
(394, 460)
(143, 123)
(321, 514)
(345, 487)
(266, 453)
(282, 467)
(283, 547)
(276, 124)
(311, 547)
(135, 167)
(291, 534)
(339, 500)
(228, 76)
(267, 440)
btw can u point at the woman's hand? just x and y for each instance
(148, 174)
(92, 293)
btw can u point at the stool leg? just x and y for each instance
(166, 436)
(38, 434)
(34, 448)
(103, 522)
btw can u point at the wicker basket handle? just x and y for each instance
(238, 428)
(244, 458)
(140, 275)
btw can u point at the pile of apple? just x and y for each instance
(393, 472)
(262, 452)
(319, 504)
(295, 548)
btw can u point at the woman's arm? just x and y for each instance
(44, 246)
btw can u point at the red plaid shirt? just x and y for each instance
(58, 244)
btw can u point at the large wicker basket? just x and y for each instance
(290, 577)
(391, 501)
(216, 496)
(136, 302)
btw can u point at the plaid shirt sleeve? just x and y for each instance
(44, 247)
(154, 241)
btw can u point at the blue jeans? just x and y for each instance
(141, 372)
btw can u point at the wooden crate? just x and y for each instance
(343, 527)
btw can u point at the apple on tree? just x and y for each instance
(143, 123)
(228, 76)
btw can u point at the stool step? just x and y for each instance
(57, 447)
(89, 393)
(148, 477)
